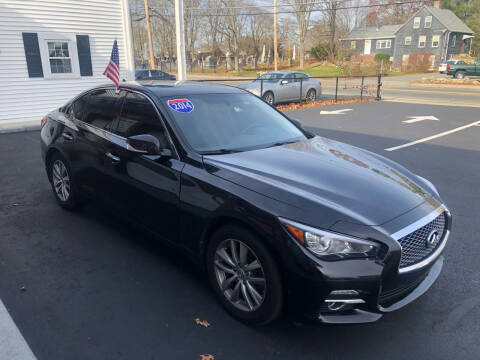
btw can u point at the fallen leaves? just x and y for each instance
(207, 357)
(203, 323)
(296, 106)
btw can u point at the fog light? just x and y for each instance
(336, 306)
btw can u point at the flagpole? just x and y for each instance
(179, 30)
(149, 34)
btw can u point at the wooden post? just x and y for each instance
(275, 35)
(149, 34)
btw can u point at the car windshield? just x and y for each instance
(222, 123)
(270, 77)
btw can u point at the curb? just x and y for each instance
(19, 129)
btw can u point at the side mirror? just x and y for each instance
(283, 82)
(298, 123)
(146, 144)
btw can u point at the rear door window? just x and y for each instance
(79, 107)
(104, 107)
(300, 77)
(139, 117)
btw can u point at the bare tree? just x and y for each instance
(257, 30)
(191, 25)
(303, 10)
(232, 28)
(214, 24)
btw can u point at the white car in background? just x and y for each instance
(443, 67)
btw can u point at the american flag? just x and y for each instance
(112, 70)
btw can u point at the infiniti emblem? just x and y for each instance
(432, 238)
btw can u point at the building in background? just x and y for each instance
(431, 35)
(52, 50)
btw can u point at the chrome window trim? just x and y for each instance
(414, 227)
(117, 139)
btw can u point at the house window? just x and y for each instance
(435, 41)
(384, 44)
(454, 40)
(416, 23)
(59, 58)
(428, 22)
(353, 44)
(408, 40)
(422, 41)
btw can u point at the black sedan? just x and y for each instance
(153, 75)
(277, 216)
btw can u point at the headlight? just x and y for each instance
(255, 91)
(327, 244)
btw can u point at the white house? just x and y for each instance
(51, 50)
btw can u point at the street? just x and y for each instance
(86, 285)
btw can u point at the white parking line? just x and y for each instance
(433, 136)
(12, 344)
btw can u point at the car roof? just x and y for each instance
(162, 88)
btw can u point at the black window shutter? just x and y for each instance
(84, 57)
(32, 54)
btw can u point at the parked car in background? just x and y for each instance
(442, 68)
(275, 214)
(285, 86)
(459, 71)
(153, 75)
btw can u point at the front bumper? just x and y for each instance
(373, 312)
(368, 287)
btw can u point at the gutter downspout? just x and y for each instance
(128, 41)
(446, 45)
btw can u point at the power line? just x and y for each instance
(253, 6)
(293, 11)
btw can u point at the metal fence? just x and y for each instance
(333, 88)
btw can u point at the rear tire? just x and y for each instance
(239, 271)
(269, 98)
(62, 183)
(460, 74)
(311, 95)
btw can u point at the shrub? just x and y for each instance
(379, 57)
(320, 52)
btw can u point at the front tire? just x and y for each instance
(62, 183)
(269, 98)
(244, 275)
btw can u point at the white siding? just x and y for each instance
(26, 99)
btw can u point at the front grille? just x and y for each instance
(414, 245)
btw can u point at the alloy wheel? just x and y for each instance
(240, 275)
(311, 95)
(268, 98)
(61, 180)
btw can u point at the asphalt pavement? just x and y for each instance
(87, 286)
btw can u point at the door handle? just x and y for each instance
(113, 158)
(67, 136)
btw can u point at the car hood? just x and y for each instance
(327, 180)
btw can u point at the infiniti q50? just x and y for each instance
(276, 215)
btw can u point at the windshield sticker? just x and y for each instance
(181, 105)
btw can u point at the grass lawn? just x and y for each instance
(315, 69)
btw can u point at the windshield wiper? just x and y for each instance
(220, 151)
(280, 143)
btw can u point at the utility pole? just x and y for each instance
(179, 30)
(275, 35)
(149, 34)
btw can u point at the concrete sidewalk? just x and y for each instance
(12, 127)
